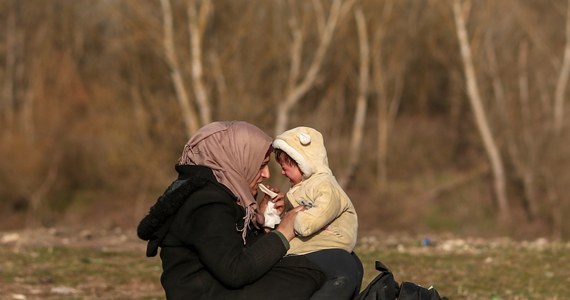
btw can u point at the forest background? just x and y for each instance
(439, 115)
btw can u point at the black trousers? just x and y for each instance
(292, 278)
(343, 272)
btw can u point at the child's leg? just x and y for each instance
(343, 271)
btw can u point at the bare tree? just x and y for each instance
(221, 84)
(197, 24)
(459, 11)
(361, 101)
(524, 165)
(38, 196)
(562, 79)
(387, 104)
(297, 89)
(189, 114)
(524, 98)
(8, 105)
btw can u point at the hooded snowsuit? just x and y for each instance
(330, 220)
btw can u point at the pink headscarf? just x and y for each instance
(234, 150)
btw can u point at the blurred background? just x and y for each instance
(439, 116)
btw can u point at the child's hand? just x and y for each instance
(279, 202)
(273, 195)
(269, 193)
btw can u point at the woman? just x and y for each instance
(210, 228)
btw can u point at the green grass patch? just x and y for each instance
(457, 270)
(79, 273)
(488, 273)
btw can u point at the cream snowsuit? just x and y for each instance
(330, 220)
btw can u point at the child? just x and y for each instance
(326, 229)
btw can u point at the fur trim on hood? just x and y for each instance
(305, 146)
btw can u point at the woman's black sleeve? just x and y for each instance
(211, 231)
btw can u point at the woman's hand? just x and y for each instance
(279, 202)
(286, 227)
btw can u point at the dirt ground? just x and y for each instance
(75, 263)
(107, 260)
(115, 239)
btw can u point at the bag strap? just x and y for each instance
(381, 267)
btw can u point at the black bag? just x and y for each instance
(412, 291)
(385, 287)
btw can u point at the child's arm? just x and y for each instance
(326, 207)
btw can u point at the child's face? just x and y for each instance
(290, 171)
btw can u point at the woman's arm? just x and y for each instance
(211, 231)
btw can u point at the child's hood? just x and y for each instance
(306, 146)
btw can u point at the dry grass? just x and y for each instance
(475, 268)
(55, 264)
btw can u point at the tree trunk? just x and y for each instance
(189, 115)
(480, 116)
(562, 79)
(387, 106)
(33, 217)
(197, 23)
(296, 91)
(361, 102)
(8, 105)
(523, 166)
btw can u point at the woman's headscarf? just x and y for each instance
(234, 150)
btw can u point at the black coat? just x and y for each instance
(202, 250)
